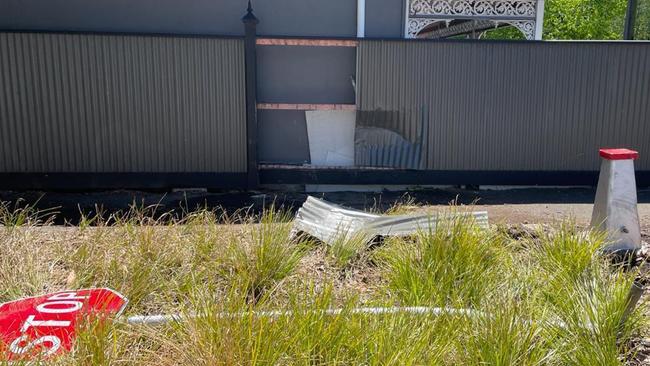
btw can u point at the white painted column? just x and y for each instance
(539, 20)
(361, 18)
(407, 4)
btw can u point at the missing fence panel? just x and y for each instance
(391, 139)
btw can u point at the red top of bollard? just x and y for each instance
(619, 154)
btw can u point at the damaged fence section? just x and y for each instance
(329, 222)
(386, 139)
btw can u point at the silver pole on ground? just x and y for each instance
(422, 310)
(157, 320)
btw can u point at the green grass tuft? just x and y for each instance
(454, 264)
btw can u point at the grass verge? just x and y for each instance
(543, 300)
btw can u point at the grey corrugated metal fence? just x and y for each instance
(510, 106)
(113, 103)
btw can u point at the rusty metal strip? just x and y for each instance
(306, 42)
(307, 107)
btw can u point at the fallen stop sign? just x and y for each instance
(43, 326)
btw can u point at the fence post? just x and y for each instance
(250, 57)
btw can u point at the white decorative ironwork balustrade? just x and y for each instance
(522, 14)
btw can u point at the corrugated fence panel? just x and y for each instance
(512, 106)
(113, 103)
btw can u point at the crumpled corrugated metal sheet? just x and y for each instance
(391, 138)
(385, 148)
(329, 222)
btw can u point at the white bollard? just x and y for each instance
(615, 208)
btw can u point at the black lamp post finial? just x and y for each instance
(250, 17)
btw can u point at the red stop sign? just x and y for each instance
(43, 326)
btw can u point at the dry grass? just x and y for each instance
(543, 300)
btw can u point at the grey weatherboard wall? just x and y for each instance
(295, 74)
(326, 18)
(503, 106)
(385, 18)
(74, 103)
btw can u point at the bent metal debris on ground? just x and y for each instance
(329, 222)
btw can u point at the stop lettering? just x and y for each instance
(42, 326)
